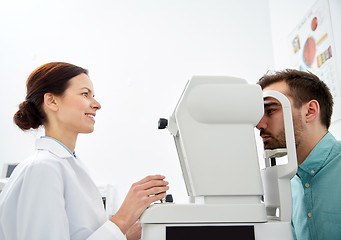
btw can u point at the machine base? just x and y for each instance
(243, 231)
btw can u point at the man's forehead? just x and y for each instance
(281, 87)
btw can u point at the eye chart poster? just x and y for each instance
(313, 49)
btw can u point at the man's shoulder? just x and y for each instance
(328, 144)
(335, 152)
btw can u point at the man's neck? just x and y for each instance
(311, 140)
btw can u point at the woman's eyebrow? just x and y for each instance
(86, 89)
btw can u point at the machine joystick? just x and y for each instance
(169, 198)
(163, 123)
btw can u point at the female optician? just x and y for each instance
(50, 195)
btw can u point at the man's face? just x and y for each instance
(271, 126)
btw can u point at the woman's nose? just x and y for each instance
(96, 104)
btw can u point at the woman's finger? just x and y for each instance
(150, 178)
(151, 184)
(156, 190)
(155, 198)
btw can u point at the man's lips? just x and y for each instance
(265, 137)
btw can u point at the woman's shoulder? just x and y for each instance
(43, 159)
(42, 164)
(38, 171)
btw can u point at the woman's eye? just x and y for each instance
(85, 94)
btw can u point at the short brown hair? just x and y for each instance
(304, 87)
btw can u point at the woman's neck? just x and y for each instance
(68, 139)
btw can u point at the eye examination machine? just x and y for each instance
(229, 196)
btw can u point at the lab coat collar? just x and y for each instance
(50, 144)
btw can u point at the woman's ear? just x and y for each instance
(50, 102)
(312, 111)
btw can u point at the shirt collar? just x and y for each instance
(318, 156)
(54, 146)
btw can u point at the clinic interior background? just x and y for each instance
(140, 55)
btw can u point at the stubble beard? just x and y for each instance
(275, 141)
(279, 140)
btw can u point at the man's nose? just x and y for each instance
(261, 124)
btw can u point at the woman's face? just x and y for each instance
(77, 106)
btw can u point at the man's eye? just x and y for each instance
(269, 111)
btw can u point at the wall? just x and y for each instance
(285, 16)
(140, 55)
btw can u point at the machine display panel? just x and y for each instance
(210, 232)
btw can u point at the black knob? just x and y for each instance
(163, 123)
(169, 198)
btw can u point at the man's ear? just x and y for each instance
(50, 102)
(312, 111)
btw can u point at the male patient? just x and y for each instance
(316, 188)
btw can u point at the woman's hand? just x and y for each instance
(134, 232)
(139, 197)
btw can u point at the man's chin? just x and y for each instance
(271, 147)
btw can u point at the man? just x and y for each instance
(316, 188)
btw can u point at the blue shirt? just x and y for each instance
(316, 193)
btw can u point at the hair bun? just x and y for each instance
(27, 116)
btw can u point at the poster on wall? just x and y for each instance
(313, 49)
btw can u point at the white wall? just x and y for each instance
(140, 55)
(285, 16)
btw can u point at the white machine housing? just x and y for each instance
(213, 128)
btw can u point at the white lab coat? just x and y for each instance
(50, 196)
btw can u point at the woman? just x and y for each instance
(50, 195)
